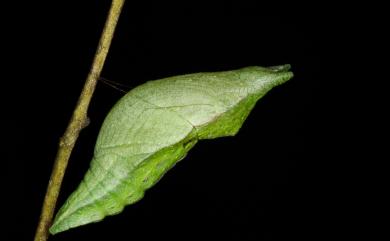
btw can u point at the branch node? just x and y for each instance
(85, 122)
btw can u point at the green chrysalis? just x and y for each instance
(153, 127)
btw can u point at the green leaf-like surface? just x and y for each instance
(153, 127)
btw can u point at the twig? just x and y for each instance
(78, 121)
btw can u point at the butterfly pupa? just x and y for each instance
(153, 127)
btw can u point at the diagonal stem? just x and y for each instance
(78, 121)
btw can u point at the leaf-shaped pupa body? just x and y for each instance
(153, 127)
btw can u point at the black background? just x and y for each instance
(263, 184)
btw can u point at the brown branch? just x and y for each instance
(78, 121)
